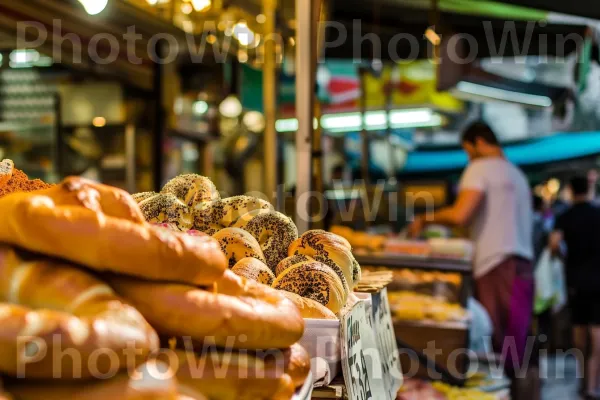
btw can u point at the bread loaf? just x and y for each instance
(239, 313)
(309, 308)
(147, 382)
(62, 307)
(238, 244)
(102, 228)
(316, 281)
(274, 232)
(253, 269)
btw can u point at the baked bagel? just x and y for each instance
(315, 281)
(149, 381)
(139, 197)
(103, 228)
(51, 308)
(309, 308)
(213, 216)
(274, 232)
(237, 309)
(330, 249)
(253, 269)
(192, 189)
(238, 244)
(298, 258)
(167, 208)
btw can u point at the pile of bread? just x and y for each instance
(97, 303)
(317, 271)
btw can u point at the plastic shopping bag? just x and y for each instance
(544, 283)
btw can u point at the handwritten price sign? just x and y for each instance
(359, 351)
(386, 340)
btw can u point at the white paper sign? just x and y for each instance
(359, 351)
(388, 347)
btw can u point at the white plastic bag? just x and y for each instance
(544, 282)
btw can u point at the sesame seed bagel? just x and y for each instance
(192, 189)
(315, 281)
(298, 258)
(167, 208)
(251, 268)
(139, 197)
(331, 250)
(274, 232)
(238, 244)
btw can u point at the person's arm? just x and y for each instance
(556, 238)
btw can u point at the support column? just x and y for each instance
(270, 101)
(305, 87)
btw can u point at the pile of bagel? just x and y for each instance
(316, 271)
(97, 303)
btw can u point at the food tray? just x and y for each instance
(322, 340)
(305, 392)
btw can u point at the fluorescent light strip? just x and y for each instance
(374, 120)
(501, 94)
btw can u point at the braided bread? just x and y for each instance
(274, 232)
(330, 249)
(253, 269)
(192, 189)
(52, 305)
(228, 312)
(238, 244)
(313, 280)
(103, 228)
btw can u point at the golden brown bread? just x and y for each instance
(309, 308)
(192, 189)
(167, 208)
(224, 375)
(251, 268)
(147, 382)
(102, 228)
(63, 309)
(239, 313)
(238, 244)
(313, 280)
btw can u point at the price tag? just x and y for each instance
(359, 352)
(386, 340)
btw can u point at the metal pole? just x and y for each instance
(159, 125)
(130, 157)
(270, 101)
(317, 143)
(366, 154)
(305, 82)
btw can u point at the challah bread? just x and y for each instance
(316, 281)
(236, 310)
(238, 244)
(235, 376)
(298, 258)
(253, 269)
(329, 249)
(82, 313)
(309, 308)
(192, 189)
(274, 232)
(224, 213)
(167, 208)
(147, 382)
(102, 228)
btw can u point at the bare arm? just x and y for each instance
(461, 212)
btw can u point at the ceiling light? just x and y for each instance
(24, 56)
(501, 94)
(201, 5)
(261, 18)
(254, 121)
(94, 7)
(211, 39)
(200, 107)
(287, 125)
(152, 2)
(99, 122)
(231, 107)
(243, 33)
(187, 8)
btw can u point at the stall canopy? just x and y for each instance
(550, 149)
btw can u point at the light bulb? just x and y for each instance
(243, 34)
(231, 107)
(201, 5)
(94, 7)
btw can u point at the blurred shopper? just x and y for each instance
(579, 229)
(494, 201)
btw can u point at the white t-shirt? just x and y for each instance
(502, 226)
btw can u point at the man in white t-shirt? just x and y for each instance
(495, 203)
